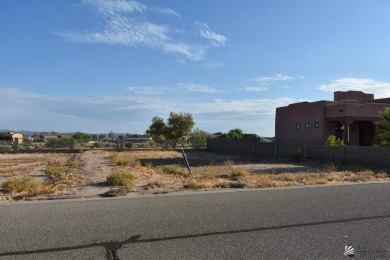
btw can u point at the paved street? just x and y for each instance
(285, 223)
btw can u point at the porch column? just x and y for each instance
(347, 133)
(346, 130)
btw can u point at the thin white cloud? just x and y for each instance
(276, 77)
(28, 110)
(206, 32)
(166, 11)
(147, 90)
(213, 65)
(200, 88)
(251, 106)
(124, 27)
(378, 88)
(181, 87)
(116, 6)
(256, 89)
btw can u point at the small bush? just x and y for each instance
(333, 141)
(229, 163)
(21, 185)
(154, 185)
(121, 179)
(135, 164)
(171, 169)
(129, 145)
(73, 163)
(119, 160)
(57, 174)
(239, 172)
(97, 145)
(6, 148)
(147, 164)
(262, 180)
(288, 177)
(55, 169)
(148, 144)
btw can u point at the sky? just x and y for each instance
(102, 65)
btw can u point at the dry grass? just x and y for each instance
(164, 171)
(240, 172)
(207, 183)
(61, 175)
(19, 185)
(155, 185)
(61, 171)
(171, 169)
(121, 179)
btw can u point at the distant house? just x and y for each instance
(9, 137)
(48, 137)
(352, 116)
(137, 138)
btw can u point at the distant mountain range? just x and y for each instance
(30, 133)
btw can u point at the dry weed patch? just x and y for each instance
(20, 185)
(164, 171)
(121, 179)
(171, 169)
(239, 172)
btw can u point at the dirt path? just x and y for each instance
(95, 166)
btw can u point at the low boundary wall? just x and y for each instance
(365, 155)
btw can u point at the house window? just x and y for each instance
(307, 125)
(317, 125)
(297, 125)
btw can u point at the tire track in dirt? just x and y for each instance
(95, 166)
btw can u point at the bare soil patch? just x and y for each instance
(62, 176)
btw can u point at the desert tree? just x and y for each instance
(178, 126)
(383, 135)
(199, 139)
(235, 133)
(82, 137)
(157, 130)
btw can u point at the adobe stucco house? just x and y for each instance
(352, 116)
(9, 137)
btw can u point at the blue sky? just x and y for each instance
(97, 65)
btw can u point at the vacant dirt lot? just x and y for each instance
(61, 176)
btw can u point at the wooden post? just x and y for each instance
(121, 144)
(16, 145)
(71, 144)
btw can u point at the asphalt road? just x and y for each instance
(291, 223)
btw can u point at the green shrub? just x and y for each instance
(333, 141)
(55, 169)
(57, 174)
(129, 145)
(63, 142)
(97, 145)
(148, 144)
(121, 179)
(22, 185)
(6, 148)
(171, 169)
(199, 139)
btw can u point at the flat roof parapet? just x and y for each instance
(359, 96)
